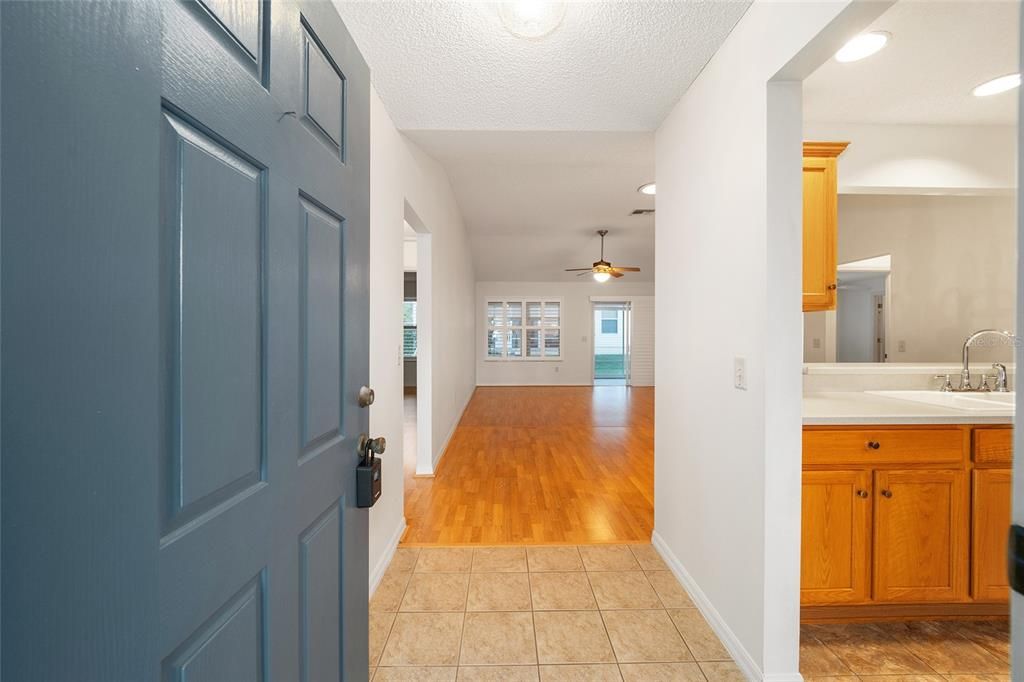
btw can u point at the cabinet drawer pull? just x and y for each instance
(874, 444)
(887, 494)
(862, 494)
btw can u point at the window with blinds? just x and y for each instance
(524, 329)
(409, 329)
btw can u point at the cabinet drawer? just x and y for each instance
(993, 447)
(884, 446)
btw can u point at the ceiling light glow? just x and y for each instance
(531, 18)
(997, 85)
(647, 189)
(864, 45)
(602, 277)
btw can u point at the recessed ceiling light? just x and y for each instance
(864, 45)
(647, 189)
(997, 85)
(531, 18)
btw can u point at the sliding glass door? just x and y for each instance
(611, 333)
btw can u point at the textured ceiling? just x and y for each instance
(532, 201)
(939, 51)
(609, 66)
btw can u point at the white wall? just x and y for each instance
(953, 269)
(574, 368)
(400, 175)
(728, 226)
(911, 159)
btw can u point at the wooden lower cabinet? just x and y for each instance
(905, 522)
(835, 564)
(992, 494)
(921, 536)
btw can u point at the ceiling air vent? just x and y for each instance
(642, 211)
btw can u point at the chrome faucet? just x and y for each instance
(1000, 377)
(965, 372)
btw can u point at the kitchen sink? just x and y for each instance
(960, 401)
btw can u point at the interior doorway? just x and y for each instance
(611, 333)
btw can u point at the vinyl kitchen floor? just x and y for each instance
(916, 651)
(588, 613)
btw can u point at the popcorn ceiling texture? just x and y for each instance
(609, 66)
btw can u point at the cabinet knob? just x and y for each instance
(874, 444)
(887, 494)
(862, 494)
(831, 287)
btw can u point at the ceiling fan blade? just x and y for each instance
(587, 272)
(578, 269)
(613, 273)
(626, 269)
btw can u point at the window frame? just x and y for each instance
(523, 327)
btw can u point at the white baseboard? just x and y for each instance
(377, 573)
(516, 384)
(750, 668)
(451, 432)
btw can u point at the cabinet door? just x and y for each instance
(820, 224)
(835, 554)
(991, 522)
(921, 536)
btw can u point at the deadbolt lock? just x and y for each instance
(366, 396)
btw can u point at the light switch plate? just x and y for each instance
(739, 373)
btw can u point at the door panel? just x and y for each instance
(991, 523)
(819, 233)
(204, 341)
(835, 558)
(921, 536)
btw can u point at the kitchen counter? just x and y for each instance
(858, 408)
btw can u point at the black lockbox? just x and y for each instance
(368, 482)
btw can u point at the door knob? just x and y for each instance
(366, 396)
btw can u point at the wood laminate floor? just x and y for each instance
(541, 465)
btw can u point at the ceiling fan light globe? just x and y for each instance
(602, 277)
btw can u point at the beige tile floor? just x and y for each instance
(919, 651)
(503, 614)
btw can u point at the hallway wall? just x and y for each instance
(401, 173)
(573, 369)
(727, 461)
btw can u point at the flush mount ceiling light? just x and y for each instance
(997, 85)
(864, 45)
(647, 189)
(531, 18)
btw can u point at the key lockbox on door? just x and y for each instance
(368, 472)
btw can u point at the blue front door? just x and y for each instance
(183, 336)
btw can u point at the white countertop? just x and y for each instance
(856, 408)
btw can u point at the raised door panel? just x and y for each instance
(819, 230)
(213, 245)
(836, 531)
(990, 523)
(921, 536)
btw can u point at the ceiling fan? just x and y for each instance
(602, 270)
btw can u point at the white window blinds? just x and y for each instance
(524, 329)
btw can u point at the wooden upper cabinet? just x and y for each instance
(991, 524)
(821, 218)
(835, 550)
(921, 536)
